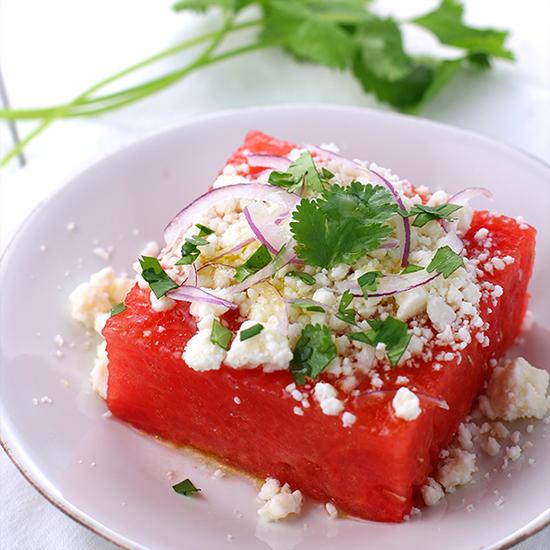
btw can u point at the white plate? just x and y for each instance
(113, 479)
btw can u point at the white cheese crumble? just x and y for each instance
(279, 501)
(100, 372)
(432, 492)
(200, 353)
(164, 303)
(518, 390)
(103, 291)
(331, 510)
(348, 419)
(406, 404)
(270, 348)
(326, 395)
(457, 470)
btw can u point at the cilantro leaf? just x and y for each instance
(446, 23)
(308, 305)
(313, 353)
(445, 261)
(301, 172)
(303, 276)
(411, 268)
(257, 261)
(425, 214)
(220, 335)
(381, 49)
(203, 230)
(185, 487)
(344, 313)
(250, 332)
(366, 203)
(342, 225)
(308, 33)
(119, 308)
(369, 282)
(158, 279)
(391, 332)
(189, 250)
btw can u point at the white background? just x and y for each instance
(50, 51)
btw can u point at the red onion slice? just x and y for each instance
(249, 190)
(235, 248)
(192, 278)
(186, 293)
(390, 284)
(406, 224)
(267, 230)
(274, 162)
(462, 198)
(466, 195)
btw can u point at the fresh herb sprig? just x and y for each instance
(341, 34)
(343, 224)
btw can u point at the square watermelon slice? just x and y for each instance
(246, 419)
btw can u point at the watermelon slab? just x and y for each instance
(370, 470)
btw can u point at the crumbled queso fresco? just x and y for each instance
(436, 317)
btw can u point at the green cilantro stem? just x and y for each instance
(140, 91)
(38, 113)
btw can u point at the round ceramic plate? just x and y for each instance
(114, 479)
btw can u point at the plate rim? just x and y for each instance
(71, 511)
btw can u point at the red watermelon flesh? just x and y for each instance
(369, 470)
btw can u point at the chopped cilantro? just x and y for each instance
(304, 277)
(119, 308)
(344, 313)
(369, 282)
(301, 172)
(185, 487)
(411, 268)
(313, 353)
(327, 174)
(158, 279)
(425, 214)
(278, 260)
(189, 250)
(308, 306)
(391, 332)
(342, 225)
(203, 230)
(251, 331)
(257, 261)
(445, 261)
(220, 335)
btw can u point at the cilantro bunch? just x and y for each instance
(346, 35)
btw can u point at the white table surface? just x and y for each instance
(50, 51)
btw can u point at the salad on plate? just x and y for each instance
(327, 327)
